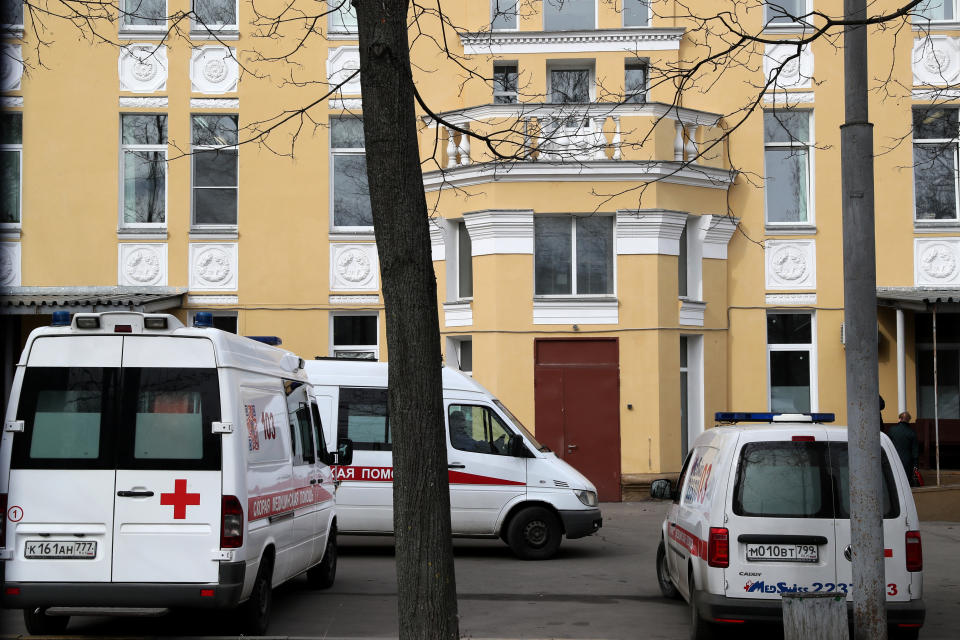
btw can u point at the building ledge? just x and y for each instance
(592, 40)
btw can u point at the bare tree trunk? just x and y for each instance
(427, 598)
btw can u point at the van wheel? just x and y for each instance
(663, 574)
(255, 612)
(38, 623)
(700, 629)
(534, 534)
(323, 575)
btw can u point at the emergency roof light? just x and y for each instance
(748, 416)
(60, 319)
(88, 322)
(155, 322)
(273, 341)
(203, 320)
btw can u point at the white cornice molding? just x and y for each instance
(787, 99)
(510, 42)
(585, 171)
(576, 311)
(438, 243)
(500, 232)
(158, 102)
(214, 103)
(525, 110)
(691, 313)
(649, 231)
(717, 234)
(935, 95)
(458, 314)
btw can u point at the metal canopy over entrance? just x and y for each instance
(46, 300)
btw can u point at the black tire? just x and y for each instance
(38, 623)
(700, 629)
(255, 612)
(323, 575)
(534, 534)
(667, 587)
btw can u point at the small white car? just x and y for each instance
(145, 464)
(760, 510)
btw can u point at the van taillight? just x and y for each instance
(718, 548)
(231, 523)
(3, 519)
(914, 551)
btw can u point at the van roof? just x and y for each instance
(230, 349)
(358, 373)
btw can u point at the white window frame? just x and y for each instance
(573, 263)
(458, 248)
(596, 17)
(955, 144)
(148, 29)
(635, 26)
(19, 149)
(334, 26)
(160, 148)
(810, 348)
(920, 19)
(805, 9)
(218, 313)
(206, 226)
(366, 348)
(695, 386)
(343, 151)
(454, 346)
(199, 29)
(516, 16)
(514, 94)
(810, 146)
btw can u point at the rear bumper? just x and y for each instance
(715, 607)
(580, 523)
(220, 595)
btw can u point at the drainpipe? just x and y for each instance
(901, 364)
(936, 397)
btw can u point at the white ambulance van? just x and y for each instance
(145, 464)
(503, 483)
(763, 509)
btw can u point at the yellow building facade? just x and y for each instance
(625, 243)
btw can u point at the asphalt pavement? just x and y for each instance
(601, 587)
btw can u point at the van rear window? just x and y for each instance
(800, 480)
(109, 418)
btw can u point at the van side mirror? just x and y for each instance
(661, 489)
(344, 452)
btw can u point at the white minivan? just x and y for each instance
(503, 483)
(762, 509)
(145, 464)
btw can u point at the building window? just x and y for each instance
(215, 170)
(790, 362)
(573, 255)
(350, 195)
(143, 168)
(503, 14)
(355, 336)
(11, 162)
(636, 13)
(505, 83)
(11, 13)
(460, 354)
(935, 163)
(934, 10)
(786, 160)
(568, 15)
(223, 320)
(785, 11)
(571, 85)
(215, 14)
(147, 15)
(635, 82)
(464, 263)
(343, 17)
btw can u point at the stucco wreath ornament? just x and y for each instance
(143, 266)
(789, 264)
(939, 262)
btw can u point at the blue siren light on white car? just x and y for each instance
(749, 416)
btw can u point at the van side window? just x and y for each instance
(683, 475)
(318, 435)
(363, 418)
(301, 439)
(479, 429)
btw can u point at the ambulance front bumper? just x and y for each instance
(720, 608)
(220, 595)
(581, 522)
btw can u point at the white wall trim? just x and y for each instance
(438, 245)
(716, 235)
(791, 299)
(500, 232)
(10, 264)
(576, 311)
(207, 301)
(511, 42)
(691, 313)
(649, 231)
(790, 264)
(936, 261)
(457, 314)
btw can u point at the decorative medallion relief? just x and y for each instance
(353, 267)
(11, 67)
(794, 72)
(342, 62)
(214, 69)
(791, 264)
(936, 261)
(143, 68)
(936, 60)
(10, 264)
(213, 266)
(142, 265)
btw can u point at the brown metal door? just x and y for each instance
(577, 404)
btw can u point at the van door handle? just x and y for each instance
(571, 448)
(135, 494)
(456, 465)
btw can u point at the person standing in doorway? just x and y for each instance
(905, 440)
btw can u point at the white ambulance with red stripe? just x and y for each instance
(763, 509)
(503, 483)
(145, 464)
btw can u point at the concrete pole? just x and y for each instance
(860, 315)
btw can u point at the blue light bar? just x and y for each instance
(203, 319)
(273, 341)
(60, 319)
(747, 416)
